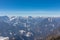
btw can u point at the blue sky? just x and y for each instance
(30, 7)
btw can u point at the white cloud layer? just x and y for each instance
(30, 13)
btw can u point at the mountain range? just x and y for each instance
(28, 27)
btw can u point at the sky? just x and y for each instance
(30, 7)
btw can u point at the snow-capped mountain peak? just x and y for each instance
(12, 18)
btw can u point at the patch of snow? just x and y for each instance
(4, 38)
(10, 33)
(50, 19)
(21, 31)
(28, 34)
(12, 18)
(15, 24)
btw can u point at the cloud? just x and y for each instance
(30, 13)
